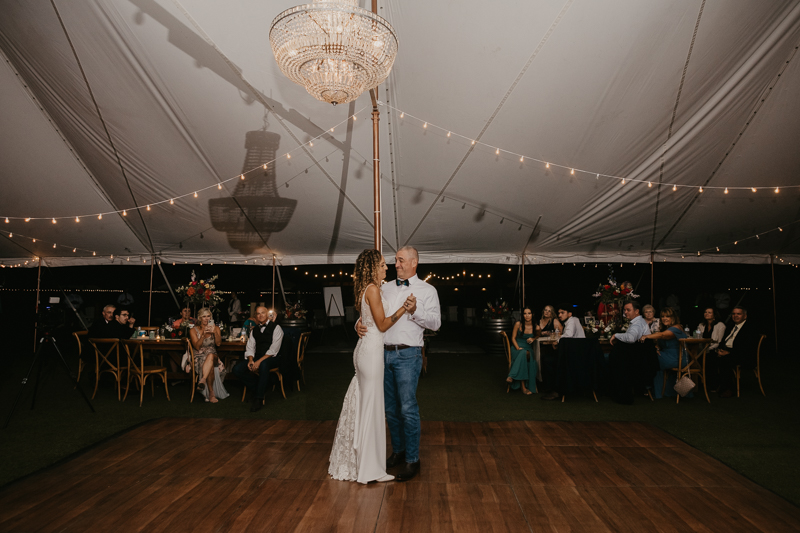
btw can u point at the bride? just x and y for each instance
(359, 449)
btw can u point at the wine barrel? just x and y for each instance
(492, 340)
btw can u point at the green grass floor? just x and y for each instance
(756, 436)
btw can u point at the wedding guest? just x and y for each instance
(549, 323)
(126, 322)
(107, 327)
(263, 353)
(712, 328)
(572, 324)
(668, 348)
(637, 328)
(649, 314)
(523, 363)
(738, 347)
(205, 338)
(185, 319)
(234, 309)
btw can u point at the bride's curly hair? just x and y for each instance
(366, 272)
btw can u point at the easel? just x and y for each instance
(332, 301)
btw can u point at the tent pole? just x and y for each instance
(36, 323)
(652, 289)
(150, 301)
(376, 177)
(273, 281)
(523, 281)
(774, 301)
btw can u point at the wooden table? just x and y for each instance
(175, 348)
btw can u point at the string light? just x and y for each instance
(288, 156)
(521, 159)
(777, 190)
(77, 219)
(74, 250)
(572, 171)
(402, 115)
(54, 221)
(148, 207)
(726, 190)
(425, 125)
(497, 152)
(100, 216)
(448, 134)
(124, 213)
(6, 220)
(623, 181)
(27, 220)
(753, 189)
(701, 189)
(473, 142)
(547, 165)
(171, 201)
(674, 188)
(195, 194)
(649, 183)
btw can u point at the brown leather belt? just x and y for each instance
(396, 346)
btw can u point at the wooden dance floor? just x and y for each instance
(264, 475)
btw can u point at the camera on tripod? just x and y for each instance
(51, 317)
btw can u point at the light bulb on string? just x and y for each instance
(701, 189)
(521, 159)
(623, 181)
(402, 115)
(649, 183)
(674, 188)
(241, 176)
(780, 229)
(172, 201)
(753, 189)
(124, 213)
(726, 190)
(448, 134)
(6, 220)
(572, 171)
(777, 190)
(77, 219)
(547, 165)
(100, 216)
(74, 250)
(219, 186)
(311, 144)
(27, 220)
(195, 194)
(288, 156)
(10, 235)
(94, 253)
(54, 245)
(473, 142)
(33, 240)
(54, 221)
(425, 126)
(148, 207)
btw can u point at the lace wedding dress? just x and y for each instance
(359, 448)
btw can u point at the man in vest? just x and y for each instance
(261, 355)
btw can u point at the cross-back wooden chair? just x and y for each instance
(738, 370)
(79, 336)
(695, 366)
(106, 359)
(135, 352)
(275, 371)
(507, 349)
(301, 355)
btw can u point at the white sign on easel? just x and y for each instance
(334, 305)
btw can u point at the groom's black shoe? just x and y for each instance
(395, 459)
(408, 472)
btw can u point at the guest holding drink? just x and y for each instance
(523, 363)
(712, 328)
(668, 348)
(205, 338)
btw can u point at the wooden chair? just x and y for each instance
(107, 362)
(695, 366)
(757, 369)
(301, 355)
(192, 372)
(136, 366)
(507, 348)
(276, 371)
(78, 337)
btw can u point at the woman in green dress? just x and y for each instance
(523, 363)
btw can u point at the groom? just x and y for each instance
(402, 353)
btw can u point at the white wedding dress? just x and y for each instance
(359, 448)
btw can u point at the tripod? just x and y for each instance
(46, 340)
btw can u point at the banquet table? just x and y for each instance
(175, 348)
(605, 345)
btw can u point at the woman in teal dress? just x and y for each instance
(668, 348)
(523, 364)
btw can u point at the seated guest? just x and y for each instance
(649, 314)
(712, 328)
(549, 323)
(738, 347)
(125, 321)
(572, 325)
(523, 363)
(107, 327)
(261, 355)
(185, 319)
(637, 328)
(205, 338)
(668, 348)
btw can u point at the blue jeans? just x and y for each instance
(400, 378)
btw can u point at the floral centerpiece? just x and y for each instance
(611, 298)
(497, 311)
(202, 293)
(295, 312)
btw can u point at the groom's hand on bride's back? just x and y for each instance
(361, 329)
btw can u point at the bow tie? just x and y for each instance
(402, 282)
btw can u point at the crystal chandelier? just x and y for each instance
(333, 48)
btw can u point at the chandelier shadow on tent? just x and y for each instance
(255, 202)
(333, 48)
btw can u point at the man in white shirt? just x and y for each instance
(261, 355)
(403, 358)
(637, 328)
(572, 325)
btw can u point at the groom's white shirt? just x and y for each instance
(409, 328)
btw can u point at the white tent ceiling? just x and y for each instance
(110, 105)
